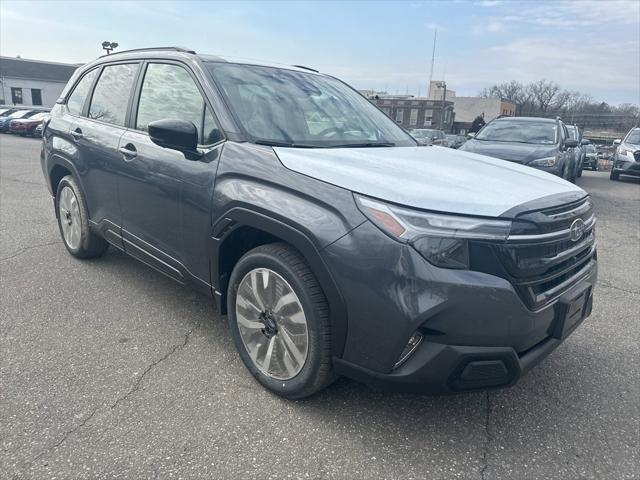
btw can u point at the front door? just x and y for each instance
(161, 213)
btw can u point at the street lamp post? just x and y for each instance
(109, 46)
(442, 85)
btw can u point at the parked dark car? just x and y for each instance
(626, 158)
(344, 249)
(541, 143)
(27, 126)
(6, 121)
(427, 136)
(590, 157)
(578, 151)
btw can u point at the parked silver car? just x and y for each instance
(428, 136)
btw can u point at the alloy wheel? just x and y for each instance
(69, 212)
(272, 324)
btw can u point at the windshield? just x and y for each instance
(543, 133)
(633, 137)
(39, 116)
(424, 133)
(285, 107)
(573, 132)
(19, 114)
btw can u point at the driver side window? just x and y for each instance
(169, 92)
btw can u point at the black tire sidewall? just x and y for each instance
(297, 385)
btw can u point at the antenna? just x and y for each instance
(433, 57)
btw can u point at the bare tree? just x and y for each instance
(544, 93)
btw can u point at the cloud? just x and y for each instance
(495, 26)
(489, 3)
(578, 64)
(568, 13)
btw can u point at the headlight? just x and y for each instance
(441, 239)
(544, 162)
(625, 153)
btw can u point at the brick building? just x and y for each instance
(417, 112)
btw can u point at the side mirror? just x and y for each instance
(177, 135)
(569, 143)
(617, 141)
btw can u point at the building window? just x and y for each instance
(16, 95)
(36, 96)
(386, 102)
(413, 118)
(415, 103)
(400, 115)
(428, 117)
(447, 116)
(386, 110)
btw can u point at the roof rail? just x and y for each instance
(306, 68)
(148, 49)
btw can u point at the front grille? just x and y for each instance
(544, 264)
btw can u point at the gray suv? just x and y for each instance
(541, 143)
(334, 244)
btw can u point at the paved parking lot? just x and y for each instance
(110, 370)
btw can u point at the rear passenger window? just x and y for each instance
(111, 95)
(168, 91)
(79, 95)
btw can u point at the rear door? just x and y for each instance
(165, 197)
(96, 133)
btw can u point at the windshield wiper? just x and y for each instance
(276, 143)
(365, 144)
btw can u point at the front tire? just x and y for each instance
(73, 221)
(279, 321)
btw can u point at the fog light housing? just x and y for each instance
(411, 346)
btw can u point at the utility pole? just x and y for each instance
(433, 58)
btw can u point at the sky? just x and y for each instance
(589, 46)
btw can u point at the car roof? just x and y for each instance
(526, 119)
(188, 54)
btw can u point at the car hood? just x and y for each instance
(430, 178)
(514, 152)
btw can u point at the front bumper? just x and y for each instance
(590, 162)
(477, 332)
(624, 165)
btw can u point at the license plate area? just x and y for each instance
(569, 313)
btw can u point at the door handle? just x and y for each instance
(129, 151)
(76, 134)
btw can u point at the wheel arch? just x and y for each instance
(241, 229)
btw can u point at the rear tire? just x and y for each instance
(273, 345)
(614, 175)
(73, 222)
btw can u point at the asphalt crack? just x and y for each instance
(130, 392)
(26, 249)
(66, 435)
(606, 284)
(136, 385)
(488, 439)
